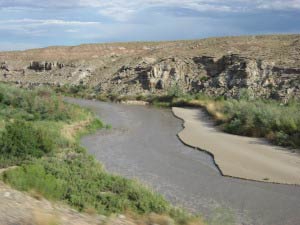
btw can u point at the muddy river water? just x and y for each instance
(142, 144)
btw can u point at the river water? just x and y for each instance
(143, 145)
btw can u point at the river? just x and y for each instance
(143, 144)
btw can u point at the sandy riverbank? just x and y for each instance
(236, 156)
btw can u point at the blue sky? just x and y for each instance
(38, 23)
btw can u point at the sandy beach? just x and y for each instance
(236, 156)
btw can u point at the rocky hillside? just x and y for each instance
(268, 66)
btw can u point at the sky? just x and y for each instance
(28, 24)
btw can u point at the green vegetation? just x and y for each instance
(278, 122)
(21, 143)
(30, 124)
(38, 105)
(79, 91)
(40, 133)
(81, 182)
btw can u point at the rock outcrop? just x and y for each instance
(42, 66)
(225, 76)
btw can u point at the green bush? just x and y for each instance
(233, 126)
(20, 139)
(35, 178)
(96, 124)
(175, 91)
(281, 138)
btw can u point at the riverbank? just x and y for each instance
(277, 122)
(40, 134)
(235, 156)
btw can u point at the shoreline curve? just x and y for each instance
(240, 157)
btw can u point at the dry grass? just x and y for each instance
(156, 219)
(90, 211)
(43, 218)
(212, 107)
(35, 194)
(69, 131)
(160, 219)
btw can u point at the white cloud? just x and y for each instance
(38, 27)
(35, 22)
(144, 20)
(39, 3)
(124, 9)
(72, 31)
(280, 4)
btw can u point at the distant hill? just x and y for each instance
(268, 66)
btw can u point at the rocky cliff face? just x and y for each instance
(266, 66)
(224, 76)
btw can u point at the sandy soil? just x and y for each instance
(236, 156)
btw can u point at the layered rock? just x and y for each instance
(42, 66)
(225, 76)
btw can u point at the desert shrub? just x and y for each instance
(233, 126)
(175, 91)
(201, 96)
(295, 140)
(40, 104)
(1, 97)
(95, 125)
(78, 90)
(246, 94)
(204, 78)
(281, 138)
(35, 178)
(20, 139)
(261, 117)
